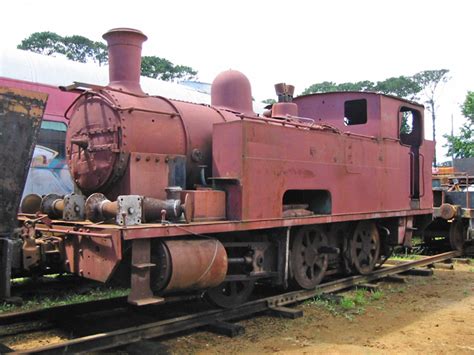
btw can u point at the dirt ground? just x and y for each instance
(425, 315)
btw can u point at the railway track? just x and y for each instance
(215, 318)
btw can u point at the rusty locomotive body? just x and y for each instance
(176, 196)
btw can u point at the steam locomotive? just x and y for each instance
(175, 197)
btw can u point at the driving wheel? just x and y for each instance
(365, 247)
(308, 264)
(230, 293)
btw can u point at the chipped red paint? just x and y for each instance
(319, 159)
(364, 172)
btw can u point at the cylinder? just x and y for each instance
(31, 204)
(53, 205)
(98, 208)
(152, 208)
(188, 265)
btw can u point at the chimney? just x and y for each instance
(285, 106)
(125, 49)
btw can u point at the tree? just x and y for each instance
(269, 101)
(430, 81)
(364, 85)
(184, 72)
(78, 48)
(101, 53)
(402, 86)
(325, 86)
(161, 68)
(82, 49)
(46, 43)
(467, 108)
(156, 67)
(329, 86)
(462, 145)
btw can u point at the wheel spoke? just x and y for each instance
(319, 261)
(306, 241)
(317, 241)
(370, 257)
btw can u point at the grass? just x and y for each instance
(405, 257)
(65, 297)
(351, 304)
(347, 303)
(360, 296)
(376, 295)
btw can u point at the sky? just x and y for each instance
(298, 42)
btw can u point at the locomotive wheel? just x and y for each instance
(230, 293)
(456, 235)
(365, 247)
(308, 265)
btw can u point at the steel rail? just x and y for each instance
(59, 312)
(81, 308)
(125, 336)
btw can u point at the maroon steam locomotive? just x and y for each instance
(176, 196)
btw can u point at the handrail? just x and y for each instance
(422, 180)
(412, 173)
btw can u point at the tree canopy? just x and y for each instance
(46, 43)
(402, 86)
(269, 101)
(77, 48)
(430, 81)
(329, 86)
(82, 49)
(462, 145)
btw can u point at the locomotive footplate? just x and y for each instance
(160, 230)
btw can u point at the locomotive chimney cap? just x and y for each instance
(123, 30)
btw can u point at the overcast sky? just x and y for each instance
(297, 42)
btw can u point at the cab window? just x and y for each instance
(355, 112)
(410, 132)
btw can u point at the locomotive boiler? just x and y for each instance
(175, 196)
